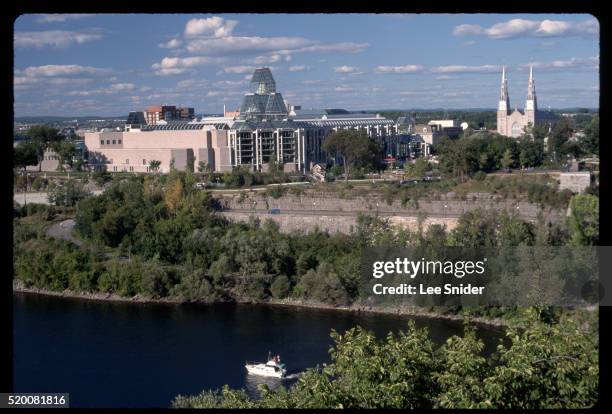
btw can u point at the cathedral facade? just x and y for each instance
(512, 123)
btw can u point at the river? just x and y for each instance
(109, 354)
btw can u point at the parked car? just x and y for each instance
(274, 211)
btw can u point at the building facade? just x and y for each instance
(513, 123)
(154, 114)
(264, 132)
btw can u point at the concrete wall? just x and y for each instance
(131, 148)
(332, 223)
(445, 207)
(577, 182)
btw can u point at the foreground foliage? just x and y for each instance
(542, 365)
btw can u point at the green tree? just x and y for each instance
(43, 137)
(590, 141)
(418, 169)
(508, 161)
(25, 154)
(280, 287)
(154, 165)
(353, 147)
(65, 150)
(67, 194)
(584, 220)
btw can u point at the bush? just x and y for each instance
(323, 285)
(280, 287)
(68, 194)
(194, 287)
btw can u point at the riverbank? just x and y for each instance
(411, 312)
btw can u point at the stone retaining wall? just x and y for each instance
(330, 223)
(448, 206)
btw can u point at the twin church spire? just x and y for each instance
(504, 99)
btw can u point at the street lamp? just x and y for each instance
(445, 210)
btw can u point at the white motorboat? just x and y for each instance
(272, 368)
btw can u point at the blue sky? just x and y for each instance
(110, 64)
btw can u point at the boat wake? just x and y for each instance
(293, 376)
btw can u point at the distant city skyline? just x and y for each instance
(108, 65)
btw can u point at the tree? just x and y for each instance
(418, 168)
(154, 165)
(584, 220)
(280, 287)
(25, 154)
(590, 141)
(351, 146)
(531, 152)
(508, 161)
(203, 167)
(552, 365)
(560, 134)
(457, 158)
(66, 150)
(68, 194)
(43, 136)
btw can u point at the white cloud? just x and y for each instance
(241, 44)
(230, 83)
(264, 59)
(298, 68)
(399, 69)
(343, 88)
(213, 93)
(176, 65)
(64, 70)
(54, 38)
(465, 69)
(445, 77)
(345, 69)
(120, 87)
(572, 63)
(522, 27)
(212, 26)
(58, 18)
(171, 44)
(238, 69)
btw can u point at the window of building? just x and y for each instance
(516, 130)
(144, 162)
(114, 142)
(127, 160)
(119, 142)
(131, 169)
(101, 142)
(115, 169)
(108, 142)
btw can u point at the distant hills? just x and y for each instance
(44, 118)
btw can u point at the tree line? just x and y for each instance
(146, 222)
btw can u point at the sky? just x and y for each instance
(110, 64)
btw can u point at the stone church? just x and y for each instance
(511, 124)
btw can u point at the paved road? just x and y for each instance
(63, 230)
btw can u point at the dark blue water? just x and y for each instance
(135, 355)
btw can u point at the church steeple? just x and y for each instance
(504, 99)
(531, 104)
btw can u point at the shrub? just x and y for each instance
(280, 287)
